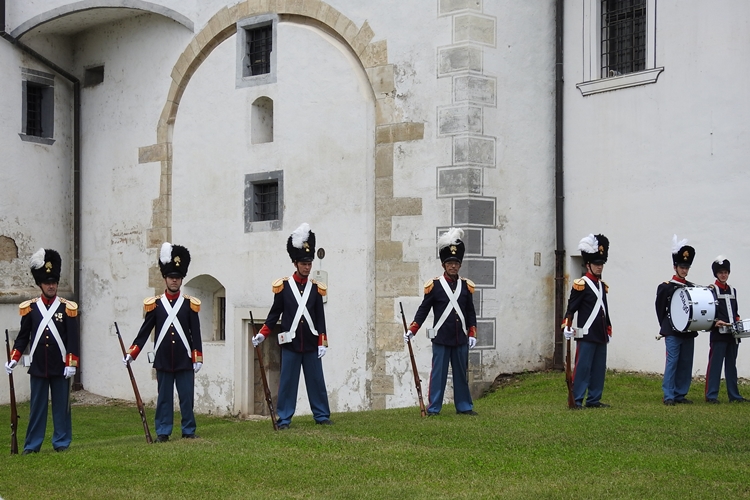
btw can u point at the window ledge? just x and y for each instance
(39, 140)
(620, 82)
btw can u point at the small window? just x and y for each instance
(259, 46)
(38, 106)
(221, 316)
(264, 201)
(93, 76)
(623, 37)
(256, 50)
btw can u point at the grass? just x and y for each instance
(524, 444)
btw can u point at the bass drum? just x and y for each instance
(692, 309)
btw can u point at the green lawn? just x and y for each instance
(525, 443)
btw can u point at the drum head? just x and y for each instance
(679, 309)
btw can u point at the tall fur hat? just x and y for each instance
(46, 265)
(720, 263)
(682, 253)
(594, 249)
(173, 260)
(450, 246)
(301, 244)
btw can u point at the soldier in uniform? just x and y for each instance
(589, 299)
(723, 345)
(178, 345)
(455, 329)
(50, 324)
(680, 346)
(298, 300)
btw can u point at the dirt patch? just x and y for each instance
(86, 398)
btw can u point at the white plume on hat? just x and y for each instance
(450, 237)
(165, 255)
(720, 259)
(589, 244)
(37, 260)
(300, 235)
(676, 245)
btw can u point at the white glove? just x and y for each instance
(10, 365)
(568, 332)
(197, 367)
(472, 342)
(322, 351)
(69, 371)
(408, 335)
(258, 339)
(127, 360)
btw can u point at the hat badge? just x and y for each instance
(177, 261)
(48, 266)
(685, 255)
(306, 246)
(601, 250)
(453, 249)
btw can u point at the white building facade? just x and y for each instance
(381, 124)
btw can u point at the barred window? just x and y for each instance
(259, 46)
(266, 201)
(623, 37)
(34, 96)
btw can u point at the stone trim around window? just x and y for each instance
(243, 26)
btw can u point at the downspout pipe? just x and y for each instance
(76, 156)
(559, 193)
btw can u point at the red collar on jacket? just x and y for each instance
(723, 287)
(448, 278)
(299, 279)
(48, 302)
(171, 297)
(678, 279)
(592, 277)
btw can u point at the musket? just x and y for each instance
(266, 390)
(569, 376)
(417, 381)
(13, 408)
(138, 400)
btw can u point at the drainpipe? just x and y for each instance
(559, 193)
(77, 385)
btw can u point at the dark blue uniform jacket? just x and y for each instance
(435, 298)
(285, 306)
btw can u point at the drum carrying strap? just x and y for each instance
(453, 297)
(727, 300)
(597, 289)
(302, 309)
(172, 320)
(47, 315)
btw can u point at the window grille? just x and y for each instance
(259, 46)
(623, 37)
(222, 328)
(34, 94)
(266, 197)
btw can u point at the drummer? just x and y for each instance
(723, 346)
(680, 344)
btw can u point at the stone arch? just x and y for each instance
(393, 277)
(85, 5)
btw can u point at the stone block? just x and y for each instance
(459, 120)
(473, 88)
(480, 270)
(382, 384)
(474, 150)
(381, 79)
(474, 28)
(454, 181)
(384, 160)
(474, 211)
(332, 17)
(459, 59)
(408, 131)
(155, 237)
(389, 250)
(155, 279)
(384, 187)
(390, 337)
(386, 111)
(224, 19)
(450, 6)
(362, 38)
(295, 7)
(375, 54)
(310, 8)
(398, 206)
(486, 333)
(383, 228)
(155, 152)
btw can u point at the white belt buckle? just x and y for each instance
(285, 337)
